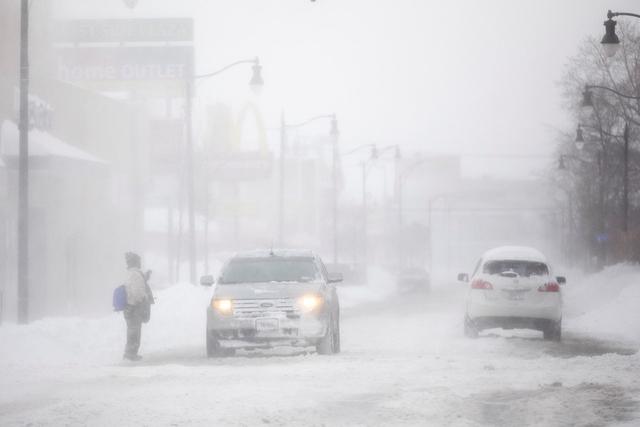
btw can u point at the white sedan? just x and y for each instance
(512, 287)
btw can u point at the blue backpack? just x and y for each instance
(119, 298)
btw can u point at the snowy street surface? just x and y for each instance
(404, 361)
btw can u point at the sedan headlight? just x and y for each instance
(311, 302)
(222, 306)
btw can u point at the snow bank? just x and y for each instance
(177, 319)
(606, 303)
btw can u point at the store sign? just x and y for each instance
(131, 3)
(124, 49)
(125, 63)
(124, 30)
(241, 166)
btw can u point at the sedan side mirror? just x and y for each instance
(207, 280)
(335, 277)
(463, 277)
(561, 280)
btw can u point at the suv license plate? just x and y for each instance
(267, 324)
(515, 295)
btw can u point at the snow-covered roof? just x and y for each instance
(514, 253)
(264, 253)
(41, 144)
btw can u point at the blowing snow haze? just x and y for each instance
(323, 212)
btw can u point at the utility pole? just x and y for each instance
(364, 211)
(283, 143)
(23, 170)
(399, 235)
(625, 184)
(334, 178)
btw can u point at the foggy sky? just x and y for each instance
(452, 76)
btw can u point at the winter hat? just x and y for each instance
(132, 259)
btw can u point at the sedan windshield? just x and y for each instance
(273, 269)
(521, 268)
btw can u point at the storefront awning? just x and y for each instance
(41, 144)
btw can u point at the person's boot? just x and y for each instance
(132, 357)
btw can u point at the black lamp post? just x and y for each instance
(579, 141)
(256, 84)
(610, 41)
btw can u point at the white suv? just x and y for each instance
(512, 287)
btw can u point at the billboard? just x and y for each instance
(124, 30)
(121, 50)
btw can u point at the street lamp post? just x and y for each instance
(281, 181)
(256, 83)
(373, 156)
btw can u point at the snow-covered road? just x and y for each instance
(404, 362)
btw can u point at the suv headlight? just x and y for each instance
(222, 306)
(311, 302)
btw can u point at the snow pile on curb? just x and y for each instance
(606, 303)
(177, 319)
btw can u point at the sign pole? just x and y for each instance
(190, 182)
(23, 170)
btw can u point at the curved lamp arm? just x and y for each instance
(255, 61)
(614, 14)
(311, 120)
(412, 167)
(589, 87)
(360, 147)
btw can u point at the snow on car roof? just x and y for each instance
(264, 253)
(514, 253)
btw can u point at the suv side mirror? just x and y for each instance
(207, 280)
(335, 277)
(561, 280)
(463, 277)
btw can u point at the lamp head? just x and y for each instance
(374, 152)
(398, 155)
(334, 127)
(610, 41)
(587, 98)
(561, 165)
(579, 141)
(256, 83)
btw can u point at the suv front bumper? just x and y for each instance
(249, 332)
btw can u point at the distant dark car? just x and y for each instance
(265, 299)
(413, 280)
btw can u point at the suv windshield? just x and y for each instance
(272, 269)
(521, 268)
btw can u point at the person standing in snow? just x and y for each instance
(137, 311)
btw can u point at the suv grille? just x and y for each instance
(264, 307)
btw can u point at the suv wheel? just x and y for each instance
(470, 329)
(336, 336)
(553, 331)
(326, 345)
(215, 350)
